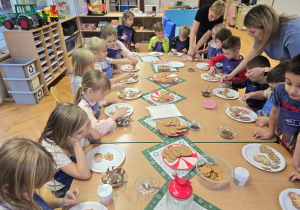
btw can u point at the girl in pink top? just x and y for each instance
(90, 92)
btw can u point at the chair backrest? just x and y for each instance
(165, 20)
(55, 94)
(170, 30)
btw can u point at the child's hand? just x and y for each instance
(154, 43)
(124, 37)
(294, 177)
(262, 136)
(174, 51)
(184, 50)
(124, 76)
(120, 112)
(246, 96)
(110, 103)
(134, 61)
(211, 71)
(262, 121)
(120, 86)
(163, 40)
(136, 45)
(71, 197)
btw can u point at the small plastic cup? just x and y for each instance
(105, 193)
(241, 176)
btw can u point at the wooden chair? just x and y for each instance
(55, 94)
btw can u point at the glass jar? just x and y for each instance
(180, 194)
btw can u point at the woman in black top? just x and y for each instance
(206, 18)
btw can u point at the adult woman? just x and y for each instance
(206, 18)
(276, 35)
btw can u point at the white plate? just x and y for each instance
(127, 68)
(285, 200)
(176, 64)
(89, 205)
(178, 54)
(155, 53)
(134, 53)
(251, 114)
(112, 108)
(205, 75)
(131, 80)
(202, 66)
(250, 150)
(133, 90)
(233, 93)
(117, 151)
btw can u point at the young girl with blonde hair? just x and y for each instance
(83, 60)
(114, 46)
(67, 131)
(99, 48)
(25, 167)
(93, 88)
(125, 31)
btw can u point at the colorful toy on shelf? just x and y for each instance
(53, 12)
(45, 14)
(25, 16)
(97, 8)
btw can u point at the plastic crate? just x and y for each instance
(32, 97)
(18, 67)
(70, 43)
(23, 84)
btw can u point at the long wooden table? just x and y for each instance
(261, 191)
(191, 108)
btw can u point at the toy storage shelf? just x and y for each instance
(141, 36)
(47, 45)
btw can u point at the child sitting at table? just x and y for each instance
(125, 31)
(212, 45)
(159, 43)
(93, 88)
(231, 58)
(114, 46)
(26, 166)
(181, 43)
(276, 75)
(99, 48)
(67, 132)
(285, 114)
(253, 84)
(83, 60)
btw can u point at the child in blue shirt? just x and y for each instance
(275, 76)
(255, 83)
(285, 114)
(212, 45)
(181, 43)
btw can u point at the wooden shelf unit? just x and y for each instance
(47, 45)
(141, 36)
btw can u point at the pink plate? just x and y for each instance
(177, 134)
(156, 95)
(175, 76)
(209, 104)
(183, 163)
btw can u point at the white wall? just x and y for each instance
(165, 3)
(287, 6)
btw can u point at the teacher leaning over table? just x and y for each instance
(276, 35)
(206, 18)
